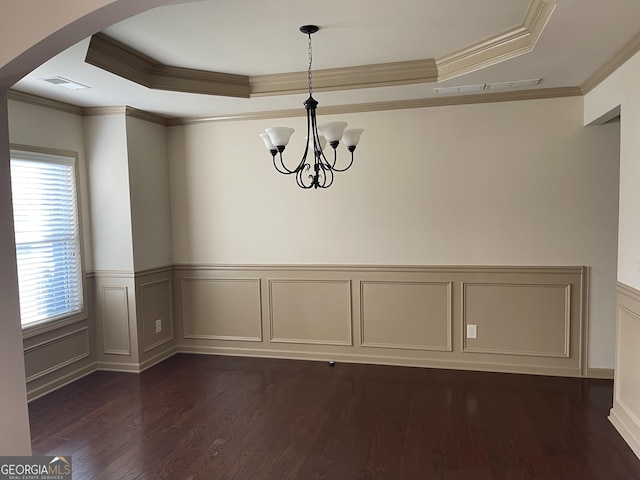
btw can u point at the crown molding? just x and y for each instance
(533, 94)
(126, 111)
(332, 79)
(104, 111)
(623, 55)
(510, 96)
(108, 54)
(147, 116)
(43, 102)
(122, 60)
(504, 46)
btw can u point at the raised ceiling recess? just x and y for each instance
(120, 59)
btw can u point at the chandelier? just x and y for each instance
(317, 172)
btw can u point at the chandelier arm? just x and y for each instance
(327, 178)
(345, 168)
(284, 170)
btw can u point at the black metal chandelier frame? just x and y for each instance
(322, 174)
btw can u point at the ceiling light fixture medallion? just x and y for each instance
(321, 174)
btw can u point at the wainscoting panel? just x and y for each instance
(406, 315)
(518, 319)
(56, 353)
(221, 309)
(529, 319)
(625, 414)
(115, 320)
(310, 311)
(156, 306)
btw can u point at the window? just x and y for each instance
(47, 236)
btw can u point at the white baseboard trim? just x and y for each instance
(602, 373)
(156, 359)
(42, 390)
(378, 360)
(626, 427)
(136, 367)
(118, 367)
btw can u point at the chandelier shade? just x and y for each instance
(314, 169)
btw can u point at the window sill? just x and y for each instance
(40, 328)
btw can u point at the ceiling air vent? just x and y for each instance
(461, 89)
(509, 85)
(487, 87)
(65, 83)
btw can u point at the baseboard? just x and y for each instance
(136, 367)
(60, 382)
(626, 427)
(118, 367)
(602, 373)
(160, 357)
(378, 360)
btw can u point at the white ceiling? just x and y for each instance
(250, 37)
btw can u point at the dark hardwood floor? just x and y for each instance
(223, 418)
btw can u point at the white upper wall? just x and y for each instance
(149, 192)
(514, 183)
(504, 183)
(107, 158)
(620, 91)
(35, 126)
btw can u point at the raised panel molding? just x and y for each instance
(531, 304)
(115, 320)
(412, 314)
(56, 353)
(627, 391)
(409, 315)
(221, 309)
(310, 311)
(156, 304)
(625, 414)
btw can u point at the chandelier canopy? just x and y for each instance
(317, 172)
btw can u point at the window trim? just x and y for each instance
(46, 154)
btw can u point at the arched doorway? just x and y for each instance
(30, 33)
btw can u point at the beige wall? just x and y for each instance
(149, 193)
(514, 183)
(619, 94)
(106, 143)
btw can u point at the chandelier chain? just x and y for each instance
(309, 71)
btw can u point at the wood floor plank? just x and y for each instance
(207, 417)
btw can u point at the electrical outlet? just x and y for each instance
(158, 325)
(472, 331)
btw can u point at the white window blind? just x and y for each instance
(47, 236)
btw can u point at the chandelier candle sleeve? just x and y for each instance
(314, 170)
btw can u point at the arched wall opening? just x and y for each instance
(31, 32)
